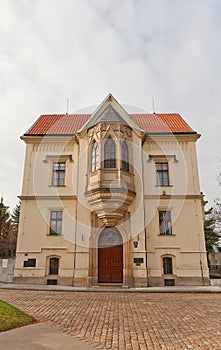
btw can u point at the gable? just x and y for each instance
(110, 115)
(110, 110)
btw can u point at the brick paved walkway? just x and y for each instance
(128, 320)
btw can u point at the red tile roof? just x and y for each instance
(58, 124)
(68, 124)
(161, 123)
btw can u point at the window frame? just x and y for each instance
(58, 227)
(94, 156)
(58, 175)
(167, 231)
(110, 154)
(167, 265)
(162, 175)
(124, 156)
(52, 270)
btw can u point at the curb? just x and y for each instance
(104, 289)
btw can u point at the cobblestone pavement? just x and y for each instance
(113, 320)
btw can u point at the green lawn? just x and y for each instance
(10, 317)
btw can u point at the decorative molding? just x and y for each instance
(49, 197)
(58, 157)
(162, 156)
(53, 147)
(173, 196)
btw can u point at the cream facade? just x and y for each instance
(111, 203)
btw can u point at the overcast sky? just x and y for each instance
(84, 49)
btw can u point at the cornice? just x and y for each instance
(172, 136)
(174, 196)
(48, 138)
(61, 197)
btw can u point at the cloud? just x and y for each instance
(51, 50)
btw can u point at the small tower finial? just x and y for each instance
(67, 105)
(153, 105)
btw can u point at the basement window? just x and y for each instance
(52, 282)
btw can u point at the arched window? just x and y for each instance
(94, 157)
(53, 266)
(109, 154)
(167, 266)
(124, 157)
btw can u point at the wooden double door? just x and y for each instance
(110, 264)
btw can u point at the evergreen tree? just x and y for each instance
(211, 236)
(8, 230)
(15, 216)
(5, 227)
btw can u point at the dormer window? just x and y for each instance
(124, 157)
(109, 154)
(94, 157)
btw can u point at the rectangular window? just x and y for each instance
(58, 174)
(30, 263)
(56, 223)
(162, 174)
(165, 223)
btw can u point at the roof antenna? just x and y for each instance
(153, 106)
(67, 105)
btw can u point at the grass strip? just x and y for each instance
(10, 317)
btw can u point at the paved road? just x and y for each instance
(113, 320)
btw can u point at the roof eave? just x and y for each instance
(29, 138)
(190, 136)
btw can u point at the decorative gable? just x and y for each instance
(110, 111)
(110, 115)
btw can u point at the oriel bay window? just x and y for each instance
(165, 223)
(58, 173)
(109, 154)
(162, 174)
(56, 223)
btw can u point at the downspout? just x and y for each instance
(144, 213)
(76, 213)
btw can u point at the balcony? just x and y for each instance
(110, 192)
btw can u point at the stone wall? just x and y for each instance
(7, 270)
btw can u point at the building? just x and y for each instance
(111, 198)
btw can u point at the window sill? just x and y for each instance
(165, 235)
(57, 185)
(29, 267)
(92, 172)
(59, 235)
(169, 275)
(163, 185)
(126, 171)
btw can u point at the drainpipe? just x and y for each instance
(144, 214)
(76, 213)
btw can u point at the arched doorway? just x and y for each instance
(110, 256)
